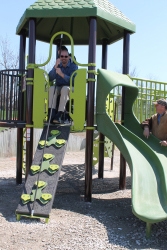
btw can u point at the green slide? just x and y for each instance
(145, 157)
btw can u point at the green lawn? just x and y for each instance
(1, 129)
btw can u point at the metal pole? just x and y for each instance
(126, 49)
(90, 111)
(113, 145)
(19, 158)
(101, 136)
(29, 99)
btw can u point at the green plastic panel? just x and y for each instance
(40, 98)
(78, 100)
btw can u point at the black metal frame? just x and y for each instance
(11, 81)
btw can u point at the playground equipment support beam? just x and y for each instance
(126, 46)
(101, 136)
(90, 110)
(19, 157)
(29, 101)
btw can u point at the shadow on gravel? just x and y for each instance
(9, 196)
(110, 207)
(73, 177)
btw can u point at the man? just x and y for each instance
(61, 72)
(157, 123)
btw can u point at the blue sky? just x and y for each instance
(148, 46)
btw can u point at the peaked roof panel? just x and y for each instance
(70, 15)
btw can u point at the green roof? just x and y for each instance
(72, 16)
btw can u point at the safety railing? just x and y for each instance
(12, 85)
(149, 91)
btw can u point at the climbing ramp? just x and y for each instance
(40, 187)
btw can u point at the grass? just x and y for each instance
(2, 129)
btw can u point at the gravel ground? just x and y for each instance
(105, 223)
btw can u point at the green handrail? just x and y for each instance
(50, 52)
(149, 91)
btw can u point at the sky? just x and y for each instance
(148, 46)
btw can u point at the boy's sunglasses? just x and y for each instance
(63, 56)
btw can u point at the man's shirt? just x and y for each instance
(159, 117)
(67, 71)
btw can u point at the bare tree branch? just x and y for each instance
(133, 72)
(8, 58)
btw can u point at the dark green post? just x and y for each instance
(19, 158)
(101, 136)
(90, 111)
(29, 101)
(126, 46)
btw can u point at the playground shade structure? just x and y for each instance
(145, 157)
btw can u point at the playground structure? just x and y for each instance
(105, 25)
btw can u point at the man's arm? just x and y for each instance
(147, 123)
(73, 67)
(52, 74)
(64, 73)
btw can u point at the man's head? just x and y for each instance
(62, 48)
(161, 105)
(64, 56)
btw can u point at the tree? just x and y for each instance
(8, 58)
(9, 82)
(133, 72)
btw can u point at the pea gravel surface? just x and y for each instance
(105, 223)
